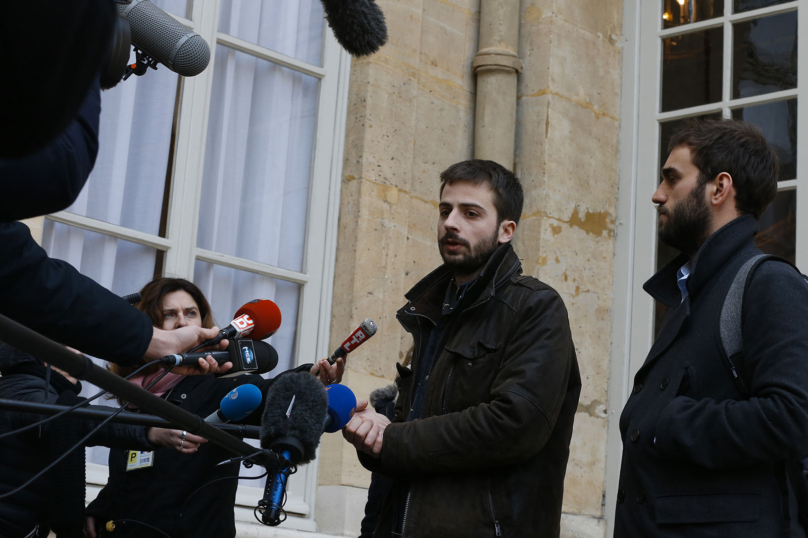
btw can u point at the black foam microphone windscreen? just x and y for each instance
(358, 25)
(296, 407)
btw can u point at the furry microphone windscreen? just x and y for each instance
(358, 25)
(296, 407)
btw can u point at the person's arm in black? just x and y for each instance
(50, 179)
(53, 298)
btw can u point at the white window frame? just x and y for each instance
(636, 239)
(180, 244)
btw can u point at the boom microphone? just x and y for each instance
(237, 404)
(247, 355)
(292, 424)
(358, 25)
(164, 39)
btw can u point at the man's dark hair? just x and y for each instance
(508, 195)
(739, 149)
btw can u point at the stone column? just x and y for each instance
(496, 66)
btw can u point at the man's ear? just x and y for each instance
(723, 190)
(506, 230)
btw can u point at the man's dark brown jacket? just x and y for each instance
(489, 454)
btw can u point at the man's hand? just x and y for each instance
(329, 373)
(89, 527)
(181, 340)
(365, 431)
(181, 441)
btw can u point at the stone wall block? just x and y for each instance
(603, 18)
(531, 151)
(536, 50)
(581, 161)
(403, 19)
(585, 69)
(527, 244)
(583, 277)
(443, 41)
(586, 471)
(576, 526)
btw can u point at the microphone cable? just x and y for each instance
(79, 443)
(74, 407)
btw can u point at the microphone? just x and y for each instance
(358, 337)
(358, 25)
(259, 319)
(292, 424)
(265, 314)
(132, 298)
(247, 356)
(341, 407)
(160, 37)
(237, 404)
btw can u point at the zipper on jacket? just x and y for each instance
(497, 528)
(406, 509)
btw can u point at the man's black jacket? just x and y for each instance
(490, 452)
(698, 458)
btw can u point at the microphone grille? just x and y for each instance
(166, 39)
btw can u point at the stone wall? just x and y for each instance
(410, 115)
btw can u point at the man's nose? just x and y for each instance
(659, 196)
(452, 221)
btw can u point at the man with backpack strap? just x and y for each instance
(708, 438)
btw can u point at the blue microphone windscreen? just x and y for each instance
(240, 402)
(341, 406)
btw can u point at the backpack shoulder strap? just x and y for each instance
(732, 315)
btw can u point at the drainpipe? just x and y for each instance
(496, 66)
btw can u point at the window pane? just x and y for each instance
(128, 183)
(779, 123)
(765, 55)
(120, 266)
(666, 130)
(258, 159)
(691, 69)
(291, 28)
(177, 7)
(778, 226)
(678, 12)
(228, 289)
(749, 5)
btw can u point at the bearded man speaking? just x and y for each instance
(709, 433)
(480, 439)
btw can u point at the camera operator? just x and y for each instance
(52, 297)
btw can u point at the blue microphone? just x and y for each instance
(341, 407)
(237, 404)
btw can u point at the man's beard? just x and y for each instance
(473, 258)
(688, 222)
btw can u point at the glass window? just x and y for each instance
(258, 160)
(778, 121)
(291, 28)
(749, 5)
(764, 55)
(691, 69)
(228, 289)
(778, 226)
(679, 12)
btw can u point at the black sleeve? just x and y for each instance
(772, 425)
(116, 435)
(53, 298)
(50, 180)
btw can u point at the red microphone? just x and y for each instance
(359, 336)
(265, 314)
(256, 320)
